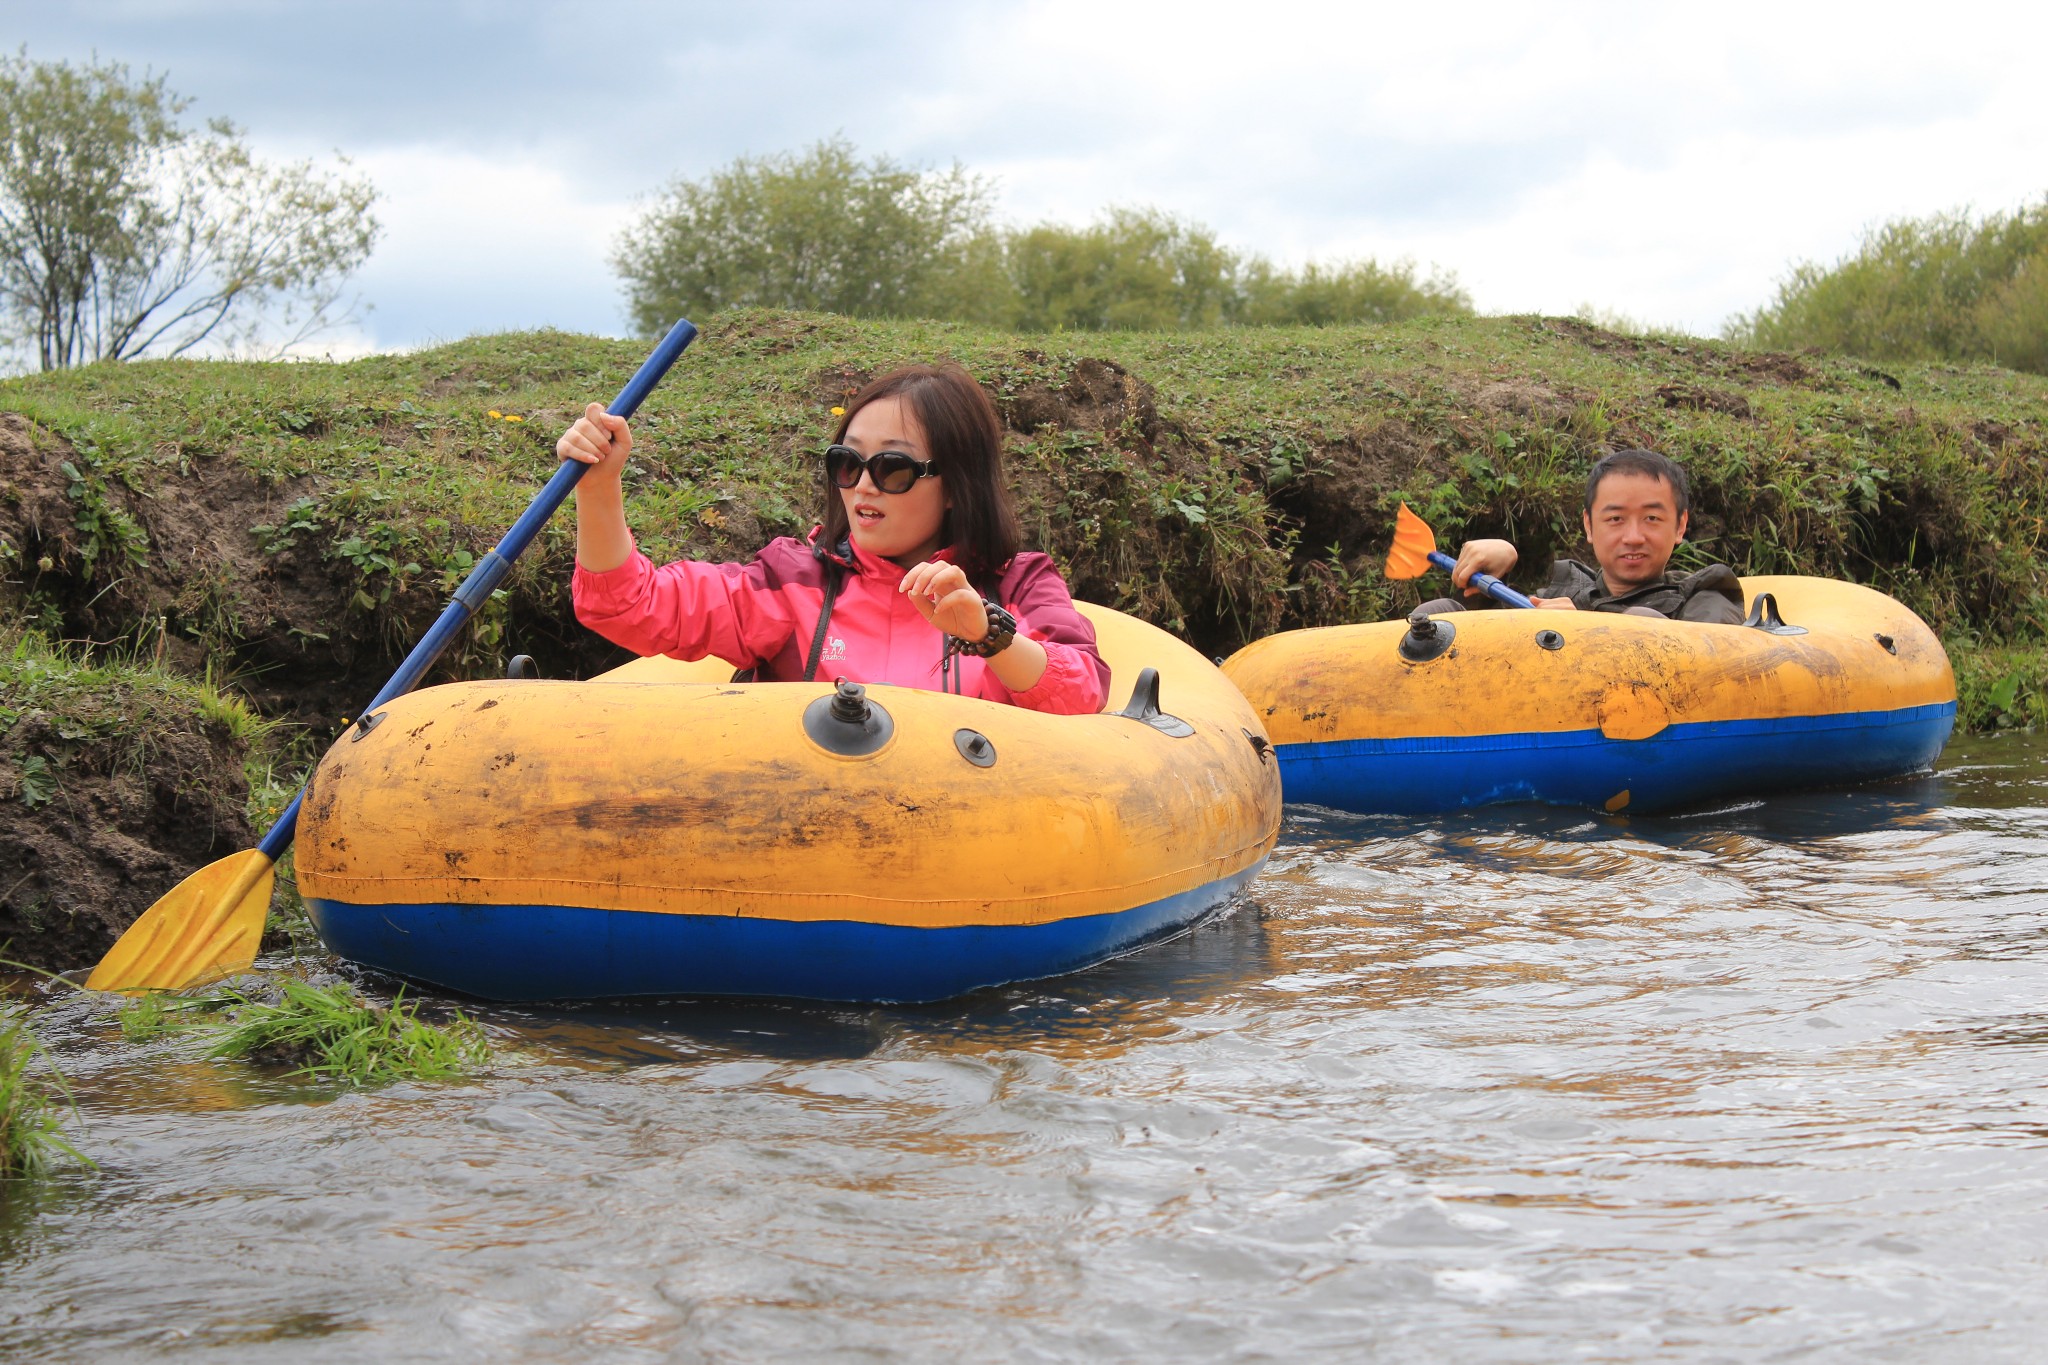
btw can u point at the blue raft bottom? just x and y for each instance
(1683, 765)
(558, 952)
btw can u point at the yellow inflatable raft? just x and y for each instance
(660, 831)
(1837, 684)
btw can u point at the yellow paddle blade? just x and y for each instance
(206, 927)
(1413, 542)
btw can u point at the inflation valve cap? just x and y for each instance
(847, 723)
(1426, 638)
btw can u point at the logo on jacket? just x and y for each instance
(835, 648)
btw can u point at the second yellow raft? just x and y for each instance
(1842, 684)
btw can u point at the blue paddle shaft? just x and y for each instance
(1485, 582)
(492, 568)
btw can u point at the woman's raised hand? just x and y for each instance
(598, 439)
(943, 596)
(603, 442)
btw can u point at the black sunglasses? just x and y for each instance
(892, 470)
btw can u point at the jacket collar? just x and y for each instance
(849, 556)
(840, 554)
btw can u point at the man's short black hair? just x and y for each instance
(1640, 462)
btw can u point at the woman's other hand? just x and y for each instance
(943, 596)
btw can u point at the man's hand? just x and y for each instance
(1554, 603)
(1482, 556)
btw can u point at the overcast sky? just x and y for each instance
(1668, 163)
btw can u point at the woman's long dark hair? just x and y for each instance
(965, 441)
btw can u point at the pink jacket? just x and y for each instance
(764, 615)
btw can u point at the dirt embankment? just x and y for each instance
(106, 802)
(1104, 484)
(111, 789)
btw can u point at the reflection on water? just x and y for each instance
(1097, 1013)
(1518, 1084)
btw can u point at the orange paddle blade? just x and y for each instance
(1413, 543)
(206, 927)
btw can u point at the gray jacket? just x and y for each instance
(1712, 595)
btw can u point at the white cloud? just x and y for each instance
(1666, 163)
(484, 244)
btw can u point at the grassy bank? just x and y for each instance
(293, 527)
(118, 776)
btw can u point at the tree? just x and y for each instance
(1136, 269)
(1140, 268)
(824, 230)
(1348, 292)
(124, 232)
(1945, 287)
(820, 230)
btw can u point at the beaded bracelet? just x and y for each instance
(1002, 628)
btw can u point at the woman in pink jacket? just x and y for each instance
(913, 577)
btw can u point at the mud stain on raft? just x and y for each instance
(768, 796)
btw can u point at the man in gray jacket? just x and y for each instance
(1636, 513)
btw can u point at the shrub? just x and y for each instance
(1938, 288)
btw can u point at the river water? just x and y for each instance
(1521, 1085)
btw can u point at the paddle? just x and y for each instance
(1414, 550)
(208, 926)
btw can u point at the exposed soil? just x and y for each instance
(1339, 499)
(128, 819)
(203, 584)
(1994, 435)
(1098, 395)
(1527, 398)
(1752, 367)
(1774, 367)
(1703, 400)
(1104, 503)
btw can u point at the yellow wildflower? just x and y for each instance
(839, 412)
(496, 413)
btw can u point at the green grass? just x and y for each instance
(1260, 499)
(163, 1014)
(2001, 687)
(332, 1033)
(108, 697)
(33, 1103)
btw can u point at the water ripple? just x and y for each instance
(1517, 1085)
